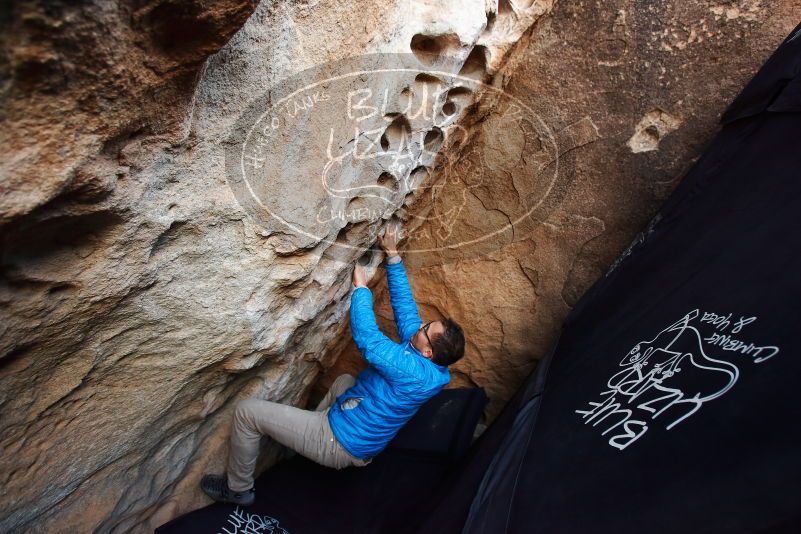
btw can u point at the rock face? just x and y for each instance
(141, 296)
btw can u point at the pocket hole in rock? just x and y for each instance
(358, 209)
(491, 18)
(397, 134)
(427, 86)
(405, 98)
(364, 259)
(433, 139)
(387, 181)
(460, 95)
(430, 48)
(352, 233)
(417, 177)
(475, 66)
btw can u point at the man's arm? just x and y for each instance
(407, 318)
(377, 349)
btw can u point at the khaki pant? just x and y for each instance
(304, 431)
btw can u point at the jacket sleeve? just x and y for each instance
(379, 351)
(404, 308)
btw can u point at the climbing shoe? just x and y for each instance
(216, 487)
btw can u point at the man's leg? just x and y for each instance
(302, 431)
(336, 455)
(306, 432)
(253, 418)
(338, 387)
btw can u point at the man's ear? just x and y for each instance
(428, 353)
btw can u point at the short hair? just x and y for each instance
(448, 346)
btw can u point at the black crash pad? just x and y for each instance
(298, 496)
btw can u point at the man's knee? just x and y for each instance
(341, 384)
(346, 379)
(244, 410)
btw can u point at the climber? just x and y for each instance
(359, 416)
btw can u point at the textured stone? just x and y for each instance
(140, 302)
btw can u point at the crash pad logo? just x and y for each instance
(333, 153)
(667, 379)
(242, 522)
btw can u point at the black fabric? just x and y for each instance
(671, 401)
(388, 495)
(778, 86)
(449, 507)
(443, 427)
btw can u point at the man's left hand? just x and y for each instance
(359, 276)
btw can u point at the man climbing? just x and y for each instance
(358, 416)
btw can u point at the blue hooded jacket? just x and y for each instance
(397, 382)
